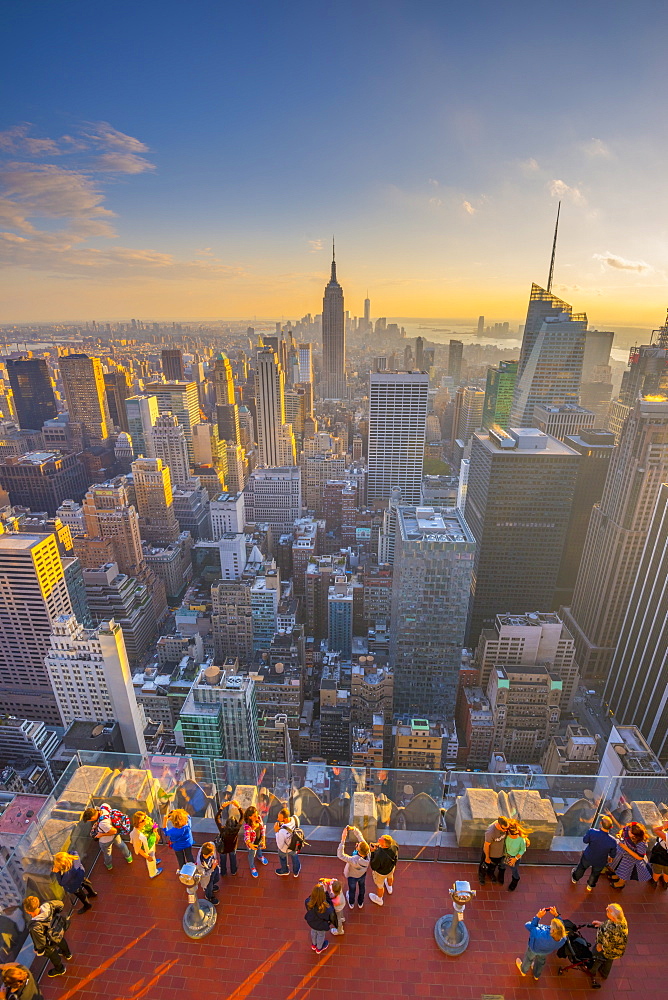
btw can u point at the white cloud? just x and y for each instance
(559, 189)
(468, 208)
(529, 166)
(596, 149)
(122, 163)
(613, 260)
(105, 135)
(17, 140)
(315, 246)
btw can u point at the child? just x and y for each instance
(254, 839)
(229, 835)
(207, 864)
(143, 838)
(335, 894)
(180, 835)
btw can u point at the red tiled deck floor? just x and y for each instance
(131, 946)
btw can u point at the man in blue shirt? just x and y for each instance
(601, 846)
(543, 940)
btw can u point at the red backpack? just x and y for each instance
(116, 818)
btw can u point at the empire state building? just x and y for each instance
(333, 339)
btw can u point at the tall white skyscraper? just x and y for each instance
(397, 421)
(172, 447)
(142, 413)
(181, 399)
(33, 592)
(276, 442)
(333, 339)
(305, 363)
(91, 678)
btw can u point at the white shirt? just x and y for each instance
(284, 834)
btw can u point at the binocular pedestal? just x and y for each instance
(450, 931)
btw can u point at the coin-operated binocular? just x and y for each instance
(451, 933)
(200, 916)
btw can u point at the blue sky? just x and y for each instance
(231, 140)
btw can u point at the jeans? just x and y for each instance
(582, 867)
(233, 863)
(185, 855)
(254, 852)
(212, 884)
(534, 958)
(514, 870)
(294, 858)
(602, 965)
(318, 938)
(358, 884)
(54, 952)
(106, 850)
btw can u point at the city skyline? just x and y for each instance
(215, 191)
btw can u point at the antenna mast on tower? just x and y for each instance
(554, 250)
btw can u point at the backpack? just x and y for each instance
(57, 927)
(297, 840)
(117, 819)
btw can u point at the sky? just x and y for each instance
(193, 160)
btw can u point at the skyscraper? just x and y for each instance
(306, 363)
(33, 392)
(172, 364)
(86, 396)
(155, 503)
(90, 675)
(433, 561)
(142, 413)
(117, 388)
(481, 326)
(41, 480)
(181, 399)
(227, 410)
(469, 403)
(108, 515)
(333, 339)
(637, 688)
(33, 592)
(419, 353)
(219, 716)
(397, 421)
(455, 354)
(170, 444)
(617, 532)
(274, 496)
(499, 394)
(275, 439)
(550, 366)
(367, 313)
(518, 504)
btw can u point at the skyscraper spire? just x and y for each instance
(554, 250)
(333, 277)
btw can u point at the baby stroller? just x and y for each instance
(575, 949)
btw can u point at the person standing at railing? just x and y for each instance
(47, 931)
(180, 835)
(143, 837)
(254, 838)
(493, 851)
(631, 856)
(71, 876)
(659, 856)
(288, 842)
(106, 834)
(384, 858)
(228, 835)
(357, 865)
(515, 846)
(601, 848)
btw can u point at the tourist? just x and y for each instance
(491, 860)
(71, 876)
(631, 856)
(337, 898)
(180, 835)
(611, 940)
(320, 916)
(383, 861)
(207, 866)
(254, 838)
(143, 837)
(106, 834)
(357, 865)
(19, 983)
(543, 940)
(47, 931)
(288, 843)
(600, 850)
(659, 856)
(228, 835)
(515, 847)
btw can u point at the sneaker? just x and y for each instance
(52, 973)
(536, 978)
(360, 905)
(129, 859)
(68, 958)
(279, 871)
(86, 906)
(518, 963)
(589, 888)
(295, 874)
(389, 887)
(91, 894)
(158, 872)
(513, 885)
(265, 861)
(110, 868)
(325, 946)
(573, 880)
(233, 873)
(335, 931)
(313, 948)
(254, 872)
(214, 902)
(595, 985)
(375, 899)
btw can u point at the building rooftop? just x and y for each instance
(132, 945)
(20, 813)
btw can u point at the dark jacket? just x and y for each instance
(384, 860)
(29, 991)
(600, 847)
(227, 840)
(38, 928)
(71, 880)
(318, 921)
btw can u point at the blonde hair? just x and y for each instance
(178, 817)
(387, 841)
(363, 849)
(557, 930)
(617, 910)
(62, 862)
(605, 823)
(138, 819)
(516, 829)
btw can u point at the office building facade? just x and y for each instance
(34, 400)
(397, 422)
